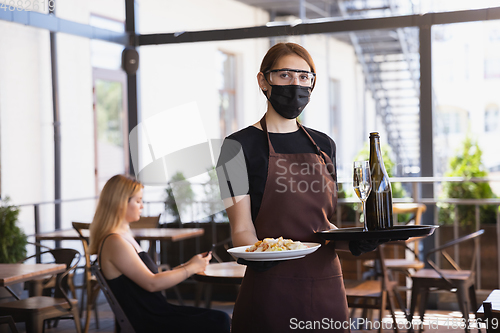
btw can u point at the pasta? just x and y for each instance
(276, 244)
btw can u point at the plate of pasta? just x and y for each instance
(271, 249)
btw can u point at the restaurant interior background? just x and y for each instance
(367, 81)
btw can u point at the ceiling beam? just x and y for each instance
(55, 24)
(319, 26)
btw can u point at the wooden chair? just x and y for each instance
(121, 318)
(90, 290)
(35, 310)
(149, 222)
(146, 222)
(9, 321)
(463, 281)
(362, 293)
(45, 285)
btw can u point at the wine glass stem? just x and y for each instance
(364, 215)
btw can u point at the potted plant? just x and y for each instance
(178, 194)
(12, 239)
(468, 164)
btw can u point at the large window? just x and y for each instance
(111, 126)
(451, 120)
(466, 81)
(334, 99)
(491, 118)
(110, 110)
(227, 93)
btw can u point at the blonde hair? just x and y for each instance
(112, 207)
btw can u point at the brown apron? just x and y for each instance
(299, 197)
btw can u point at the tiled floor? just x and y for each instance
(435, 321)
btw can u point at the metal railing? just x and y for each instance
(36, 208)
(416, 183)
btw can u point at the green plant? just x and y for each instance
(348, 209)
(178, 192)
(468, 164)
(213, 205)
(12, 239)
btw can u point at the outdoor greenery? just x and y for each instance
(397, 190)
(178, 191)
(213, 205)
(180, 195)
(12, 239)
(468, 164)
(109, 112)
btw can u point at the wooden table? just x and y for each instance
(494, 299)
(15, 273)
(149, 234)
(223, 273)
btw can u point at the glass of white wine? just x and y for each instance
(362, 183)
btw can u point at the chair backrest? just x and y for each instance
(60, 256)
(416, 209)
(61, 284)
(120, 316)
(146, 222)
(79, 226)
(442, 250)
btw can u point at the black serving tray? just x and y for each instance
(400, 232)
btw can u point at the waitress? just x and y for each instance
(291, 192)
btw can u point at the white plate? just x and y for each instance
(239, 252)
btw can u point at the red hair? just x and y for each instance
(280, 50)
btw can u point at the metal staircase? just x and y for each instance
(390, 62)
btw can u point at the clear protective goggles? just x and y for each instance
(284, 77)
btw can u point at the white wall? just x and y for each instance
(25, 118)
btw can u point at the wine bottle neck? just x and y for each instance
(376, 161)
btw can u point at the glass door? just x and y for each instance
(110, 125)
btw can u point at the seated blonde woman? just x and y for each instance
(131, 273)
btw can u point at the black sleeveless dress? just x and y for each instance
(150, 312)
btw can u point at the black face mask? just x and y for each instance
(289, 101)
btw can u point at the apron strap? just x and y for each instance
(329, 167)
(264, 128)
(318, 149)
(319, 152)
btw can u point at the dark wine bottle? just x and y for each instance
(379, 202)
